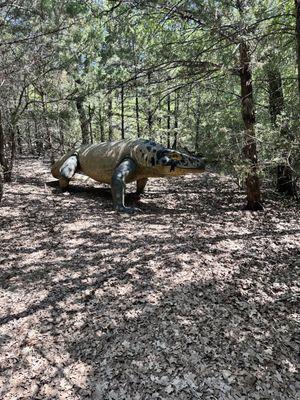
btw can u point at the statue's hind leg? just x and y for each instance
(140, 186)
(67, 171)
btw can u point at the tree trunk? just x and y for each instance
(248, 115)
(101, 125)
(61, 134)
(1, 183)
(110, 126)
(168, 120)
(285, 181)
(137, 110)
(91, 113)
(7, 160)
(176, 115)
(2, 142)
(7, 146)
(12, 155)
(30, 145)
(197, 123)
(19, 141)
(297, 9)
(275, 94)
(122, 113)
(38, 138)
(149, 110)
(84, 121)
(48, 129)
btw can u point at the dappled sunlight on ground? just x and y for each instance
(191, 298)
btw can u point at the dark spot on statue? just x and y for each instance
(152, 143)
(149, 148)
(153, 161)
(154, 150)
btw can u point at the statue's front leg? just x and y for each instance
(123, 173)
(67, 171)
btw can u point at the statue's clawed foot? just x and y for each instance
(127, 210)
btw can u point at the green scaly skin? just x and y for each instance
(124, 161)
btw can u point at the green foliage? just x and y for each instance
(154, 49)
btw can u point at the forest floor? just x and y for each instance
(190, 299)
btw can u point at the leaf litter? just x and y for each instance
(190, 299)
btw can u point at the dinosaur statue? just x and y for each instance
(123, 161)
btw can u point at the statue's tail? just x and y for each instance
(55, 169)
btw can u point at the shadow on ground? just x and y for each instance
(190, 299)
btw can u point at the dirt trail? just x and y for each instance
(190, 299)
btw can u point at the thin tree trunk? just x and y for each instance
(12, 137)
(61, 135)
(122, 113)
(110, 126)
(297, 10)
(19, 141)
(2, 144)
(285, 179)
(137, 106)
(248, 115)
(1, 183)
(149, 110)
(60, 130)
(48, 129)
(31, 147)
(38, 139)
(168, 120)
(101, 125)
(91, 113)
(6, 161)
(197, 123)
(9, 160)
(275, 94)
(84, 121)
(137, 110)
(176, 112)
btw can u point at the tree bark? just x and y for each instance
(297, 11)
(176, 115)
(31, 146)
(285, 179)
(248, 115)
(19, 141)
(60, 133)
(38, 147)
(48, 129)
(149, 110)
(197, 123)
(91, 113)
(101, 125)
(168, 120)
(2, 142)
(137, 110)
(84, 121)
(275, 94)
(7, 146)
(110, 115)
(1, 183)
(8, 160)
(122, 113)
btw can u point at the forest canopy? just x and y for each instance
(216, 78)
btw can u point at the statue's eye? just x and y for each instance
(165, 160)
(175, 156)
